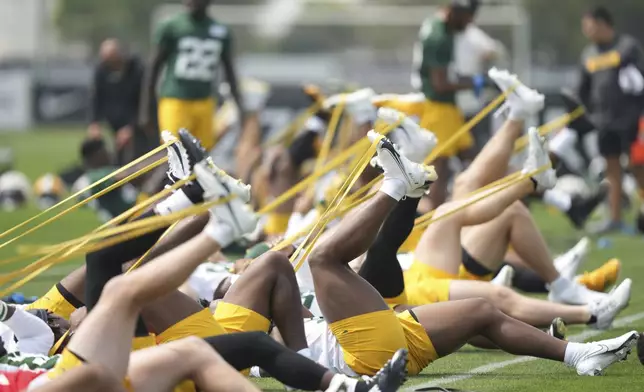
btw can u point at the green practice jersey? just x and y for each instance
(434, 49)
(112, 203)
(195, 50)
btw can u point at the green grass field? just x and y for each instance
(471, 369)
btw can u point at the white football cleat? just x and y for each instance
(417, 177)
(606, 310)
(576, 294)
(568, 263)
(523, 101)
(504, 277)
(415, 143)
(538, 158)
(600, 355)
(178, 160)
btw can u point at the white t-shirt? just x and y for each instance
(324, 347)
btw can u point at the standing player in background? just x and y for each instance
(611, 88)
(191, 46)
(434, 76)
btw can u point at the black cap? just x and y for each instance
(466, 5)
(91, 147)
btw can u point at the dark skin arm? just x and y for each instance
(231, 77)
(441, 83)
(150, 80)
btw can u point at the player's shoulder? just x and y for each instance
(218, 30)
(433, 28)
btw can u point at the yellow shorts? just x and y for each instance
(276, 223)
(68, 361)
(235, 318)
(411, 242)
(426, 285)
(399, 300)
(444, 120)
(369, 340)
(200, 324)
(420, 346)
(196, 116)
(464, 274)
(54, 302)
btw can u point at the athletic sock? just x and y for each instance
(381, 267)
(558, 285)
(223, 234)
(4, 311)
(561, 200)
(393, 187)
(574, 352)
(187, 196)
(247, 349)
(527, 280)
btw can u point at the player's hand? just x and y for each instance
(479, 82)
(94, 131)
(124, 136)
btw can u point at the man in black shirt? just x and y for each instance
(611, 88)
(115, 100)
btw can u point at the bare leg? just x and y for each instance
(440, 245)
(342, 293)
(491, 163)
(269, 288)
(87, 378)
(529, 310)
(478, 316)
(163, 367)
(614, 176)
(488, 242)
(123, 298)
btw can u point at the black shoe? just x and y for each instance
(639, 222)
(581, 124)
(640, 349)
(392, 376)
(581, 208)
(196, 152)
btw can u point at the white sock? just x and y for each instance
(517, 114)
(561, 200)
(574, 353)
(175, 202)
(393, 187)
(3, 311)
(559, 284)
(220, 232)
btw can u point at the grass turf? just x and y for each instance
(51, 150)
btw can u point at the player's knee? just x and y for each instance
(101, 378)
(518, 209)
(482, 309)
(198, 350)
(119, 290)
(320, 256)
(274, 263)
(504, 298)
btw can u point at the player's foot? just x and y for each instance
(573, 293)
(504, 277)
(600, 355)
(182, 155)
(558, 329)
(219, 185)
(523, 101)
(640, 349)
(603, 277)
(537, 159)
(358, 104)
(581, 208)
(392, 375)
(605, 311)
(415, 142)
(568, 263)
(416, 177)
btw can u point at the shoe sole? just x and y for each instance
(558, 329)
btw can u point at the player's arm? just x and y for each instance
(227, 60)
(160, 55)
(583, 88)
(438, 57)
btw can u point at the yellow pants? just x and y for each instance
(235, 318)
(200, 324)
(426, 285)
(444, 120)
(196, 116)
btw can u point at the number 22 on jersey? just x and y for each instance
(198, 58)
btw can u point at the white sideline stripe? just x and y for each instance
(490, 367)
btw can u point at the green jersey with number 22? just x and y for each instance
(195, 49)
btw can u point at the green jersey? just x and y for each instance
(29, 361)
(112, 203)
(195, 50)
(434, 49)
